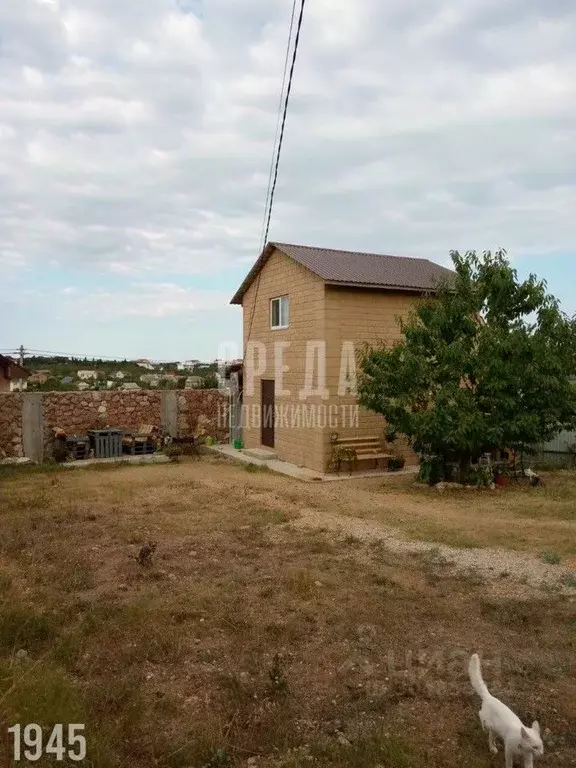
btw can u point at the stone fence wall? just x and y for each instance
(27, 419)
(11, 424)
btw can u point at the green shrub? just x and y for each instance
(552, 558)
(432, 469)
(391, 435)
(481, 475)
(396, 462)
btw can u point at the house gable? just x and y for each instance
(354, 269)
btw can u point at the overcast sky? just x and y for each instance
(136, 138)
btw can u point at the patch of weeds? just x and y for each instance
(512, 613)
(15, 471)
(251, 467)
(384, 751)
(46, 696)
(570, 580)
(300, 583)
(220, 759)
(381, 580)
(109, 466)
(68, 573)
(278, 681)
(5, 582)
(269, 516)
(552, 558)
(144, 556)
(352, 541)
(236, 623)
(433, 556)
(268, 592)
(25, 629)
(77, 577)
(30, 500)
(320, 546)
(15, 538)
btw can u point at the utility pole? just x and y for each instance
(22, 350)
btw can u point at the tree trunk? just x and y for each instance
(465, 464)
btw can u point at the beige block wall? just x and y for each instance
(282, 276)
(360, 316)
(317, 312)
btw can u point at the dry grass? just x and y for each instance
(521, 518)
(247, 638)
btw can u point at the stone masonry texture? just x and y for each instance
(11, 425)
(200, 412)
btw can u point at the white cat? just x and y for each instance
(498, 720)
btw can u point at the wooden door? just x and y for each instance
(267, 426)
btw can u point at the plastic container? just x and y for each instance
(106, 443)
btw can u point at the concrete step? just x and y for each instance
(263, 454)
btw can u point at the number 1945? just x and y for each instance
(33, 738)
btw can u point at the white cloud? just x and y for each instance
(139, 299)
(135, 138)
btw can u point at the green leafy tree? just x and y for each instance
(486, 363)
(210, 381)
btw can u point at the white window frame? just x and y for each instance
(283, 312)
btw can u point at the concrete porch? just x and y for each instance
(250, 456)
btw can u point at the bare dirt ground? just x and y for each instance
(279, 623)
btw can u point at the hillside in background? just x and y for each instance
(48, 374)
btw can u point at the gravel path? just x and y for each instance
(489, 563)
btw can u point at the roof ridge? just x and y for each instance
(359, 253)
(353, 267)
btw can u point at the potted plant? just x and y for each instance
(395, 463)
(501, 474)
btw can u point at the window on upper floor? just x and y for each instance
(279, 313)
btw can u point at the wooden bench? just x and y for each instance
(365, 449)
(143, 441)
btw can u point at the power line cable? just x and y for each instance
(278, 119)
(288, 91)
(278, 148)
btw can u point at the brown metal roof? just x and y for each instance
(11, 369)
(348, 268)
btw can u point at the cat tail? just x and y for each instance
(476, 677)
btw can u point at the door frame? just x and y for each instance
(268, 418)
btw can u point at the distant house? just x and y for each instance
(119, 375)
(67, 380)
(152, 379)
(145, 364)
(194, 382)
(87, 375)
(38, 377)
(187, 365)
(83, 385)
(13, 377)
(130, 385)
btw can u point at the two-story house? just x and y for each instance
(13, 377)
(306, 314)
